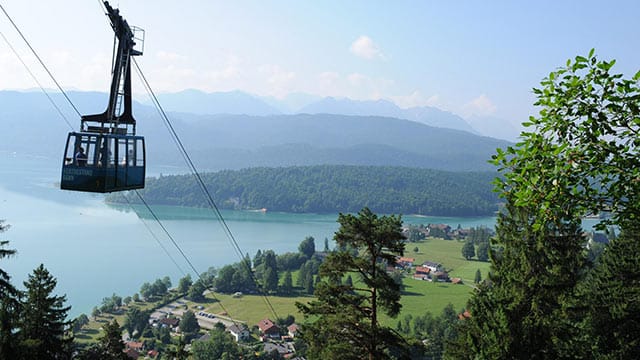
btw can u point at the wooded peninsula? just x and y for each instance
(331, 189)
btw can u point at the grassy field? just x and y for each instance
(418, 296)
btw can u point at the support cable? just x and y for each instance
(201, 184)
(156, 238)
(33, 76)
(69, 124)
(186, 258)
(181, 147)
(40, 60)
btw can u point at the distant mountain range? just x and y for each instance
(227, 141)
(240, 103)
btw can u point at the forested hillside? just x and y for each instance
(330, 189)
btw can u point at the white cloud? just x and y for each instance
(365, 48)
(480, 106)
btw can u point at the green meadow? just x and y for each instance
(418, 296)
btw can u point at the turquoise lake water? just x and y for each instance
(95, 250)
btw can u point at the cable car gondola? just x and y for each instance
(106, 155)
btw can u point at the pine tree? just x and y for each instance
(468, 249)
(43, 328)
(478, 277)
(520, 311)
(612, 295)
(9, 305)
(483, 251)
(269, 272)
(109, 347)
(355, 310)
(580, 157)
(287, 283)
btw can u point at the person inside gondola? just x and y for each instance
(81, 157)
(105, 156)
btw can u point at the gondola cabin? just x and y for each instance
(103, 162)
(106, 155)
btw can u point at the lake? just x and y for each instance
(95, 249)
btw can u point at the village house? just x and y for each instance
(433, 267)
(421, 273)
(405, 262)
(135, 345)
(171, 323)
(239, 332)
(441, 276)
(282, 349)
(293, 330)
(464, 315)
(268, 330)
(440, 230)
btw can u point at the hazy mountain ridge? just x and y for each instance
(427, 115)
(239, 141)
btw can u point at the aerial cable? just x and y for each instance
(64, 117)
(156, 238)
(186, 258)
(201, 183)
(36, 80)
(40, 60)
(185, 156)
(176, 139)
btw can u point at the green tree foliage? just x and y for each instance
(478, 277)
(9, 305)
(221, 345)
(483, 251)
(209, 276)
(157, 289)
(196, 291)
(309, 286)
(581, 158)
(354, 310)
(43, 326)
(334, 188)
(135, 321)
(184, 284)
(307, 247)
(79, 322)
(287, 283)
(434, 331)
(268, 271)
(109, 347)
(236, 277)
(178, 351)
(290, 261)
(302, 275)
(111, 303)
(189, 324)
(468, 250)
(415, 234)
(612, 296)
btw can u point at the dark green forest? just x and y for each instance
(331, 189)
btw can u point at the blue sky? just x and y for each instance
(469, 57)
